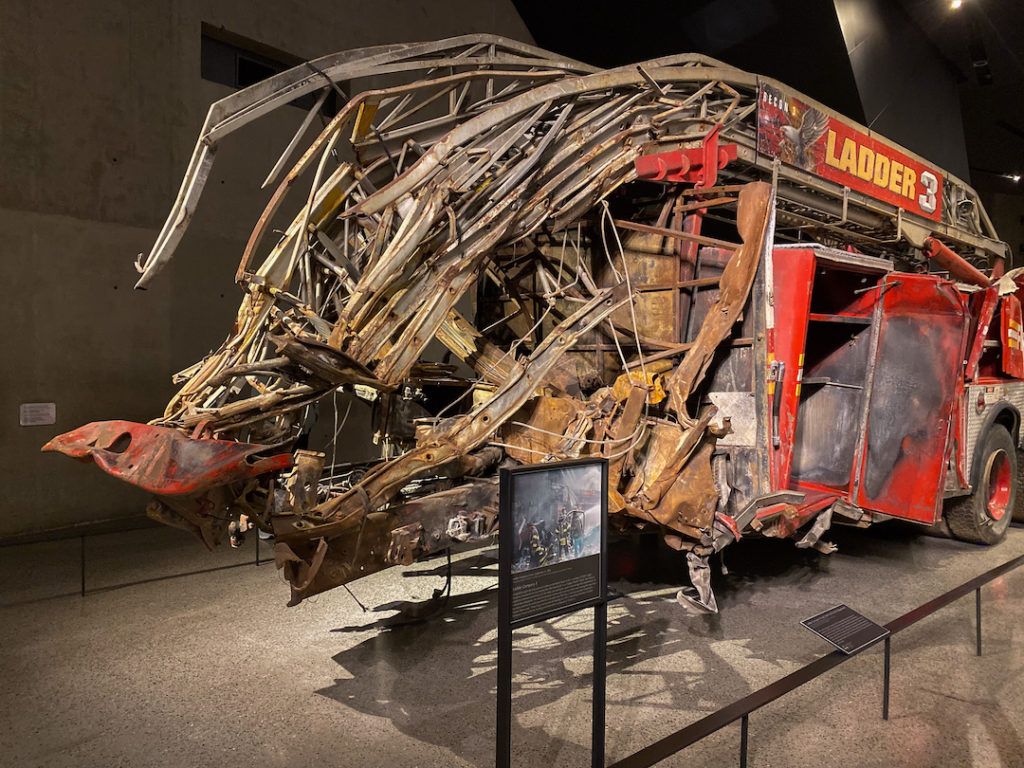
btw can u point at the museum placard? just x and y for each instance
(552, 558)
(553, 526)
(846, 629)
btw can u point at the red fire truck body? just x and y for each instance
(884, 386)
(873, 393)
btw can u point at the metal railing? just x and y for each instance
(83, 590)
(729, 714)
(742, 709)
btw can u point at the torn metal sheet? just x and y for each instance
(506, 256)
(164, 461)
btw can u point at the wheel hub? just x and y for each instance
(999, 483)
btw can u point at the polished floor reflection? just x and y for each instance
(212, 670)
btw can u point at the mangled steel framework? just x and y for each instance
(477, 171)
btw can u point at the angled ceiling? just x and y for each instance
(796, 41)
(983, 42)
(802, 43)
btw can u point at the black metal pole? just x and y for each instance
(257, 546)
(601, 637)
(503, 746)
(744, 728)
(977, 616)
(885, 679)
(503, 758)
(600, 673)
(81, 558)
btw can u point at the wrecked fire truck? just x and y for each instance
(768, 319)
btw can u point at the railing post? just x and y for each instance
(885, 679)
(744, 728)
(81, 559)
(977, 617)
(712, 723)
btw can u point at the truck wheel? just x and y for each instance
(984, 516)
(1018, 505)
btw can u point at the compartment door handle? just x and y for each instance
(776, 374)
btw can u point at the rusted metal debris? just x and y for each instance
(485, 194)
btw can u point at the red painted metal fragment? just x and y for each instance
(955, 264)
(685, 165)
(164, 461)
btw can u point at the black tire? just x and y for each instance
(984, 515)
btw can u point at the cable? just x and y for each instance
(629, 287)
(576, 439)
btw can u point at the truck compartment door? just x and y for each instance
(913, 382)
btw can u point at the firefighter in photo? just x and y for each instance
(576, 531)
(565, 534)
(538, 552)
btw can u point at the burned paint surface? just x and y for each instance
(165, 462)
(921, 338)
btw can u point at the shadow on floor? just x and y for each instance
(395, 673)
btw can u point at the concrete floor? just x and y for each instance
(212, 670)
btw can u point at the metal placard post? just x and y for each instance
(552, 560)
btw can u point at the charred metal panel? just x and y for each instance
(732, 369)
(710, 264)
(922, 333)
(826, 435)
(741, 471)
(840, 357)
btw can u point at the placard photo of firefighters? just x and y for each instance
(556, 513)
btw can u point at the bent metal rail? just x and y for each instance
(479, 166)
(741, 709)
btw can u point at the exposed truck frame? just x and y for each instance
(769, 319)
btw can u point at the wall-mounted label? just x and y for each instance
(37, 414)
(807, 137)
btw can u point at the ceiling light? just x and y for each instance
(955, 5)
(1015, 177)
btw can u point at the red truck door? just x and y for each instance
(912, 385)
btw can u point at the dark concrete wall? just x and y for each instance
(100, 105)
